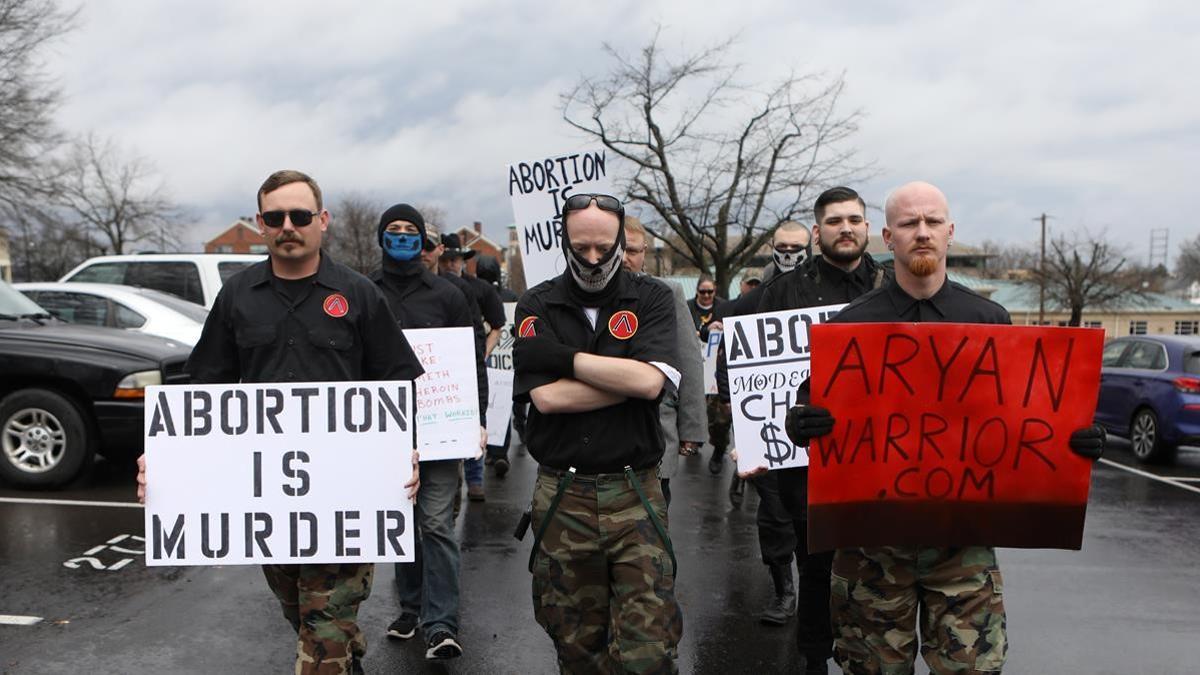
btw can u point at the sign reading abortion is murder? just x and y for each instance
(767, 357)
(951, 434)
(447, 394)
(278, 473)
(538, 188)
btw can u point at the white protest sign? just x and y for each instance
(538, 187)
(709, 351)
(767, 357)
(278, 473)
(447, 394)
(500, 380)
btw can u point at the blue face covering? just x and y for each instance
(401, 246)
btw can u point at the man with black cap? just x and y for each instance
(594, 353)
(487, 269)
(428, 586)
(453, 263)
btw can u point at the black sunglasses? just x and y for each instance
(704, 292)
(583, 200)
(299, 218)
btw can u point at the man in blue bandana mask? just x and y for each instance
(420, 299)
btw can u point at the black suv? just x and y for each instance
(68, 392)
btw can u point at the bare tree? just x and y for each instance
(352, 238)
(1004, 258)
(41, 248)
(27, 96)
(1187, 265)
(114, 199)
(1087, 271)
(718, 163)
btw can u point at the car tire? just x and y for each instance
(1145, 438)
(44, 439)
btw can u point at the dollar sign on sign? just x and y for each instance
(778, 451)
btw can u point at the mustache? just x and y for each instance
(285, 237)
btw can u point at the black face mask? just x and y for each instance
(595, 282)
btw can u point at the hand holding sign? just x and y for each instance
(806, 422)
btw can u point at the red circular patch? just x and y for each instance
(527, 329)
(336, 305)
(623, 324)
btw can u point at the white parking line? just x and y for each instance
(14, 620)
(68, 502)
(1151, 476)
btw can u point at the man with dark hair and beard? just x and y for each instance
(595, 353)
(428, 586)
(842, 272)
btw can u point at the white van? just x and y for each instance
(195, 277)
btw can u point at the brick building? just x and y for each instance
(472, 238)
(240, 237)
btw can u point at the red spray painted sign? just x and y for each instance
(951, 434)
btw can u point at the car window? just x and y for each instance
(191, 310)
(1112, 354)
(80, 308)
(1146, 356)
(102, 273)
(127, 318)
(1191, 363)
(177, 278)
(228, 269)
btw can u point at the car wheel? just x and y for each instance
(1145, 438)
(43, 439)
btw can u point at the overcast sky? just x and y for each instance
(1087, 111)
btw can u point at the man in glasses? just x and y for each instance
(299, 316)
(428, 587)
(595, 352)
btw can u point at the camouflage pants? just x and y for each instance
(321, 602)
(602, 579)
(877, 593)
(718, 424)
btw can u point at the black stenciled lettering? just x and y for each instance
(894, 365)
(243, 408)
(348, 409)
(341, 521)
(739, 345)
(289, 458)
(389, 527)
(390, 407)
(793, 332)
(269, 412)
(167, 545)
(331, 408)
(927, 433)
(1027, 441)
(1000, 447)
(257, 474)
(304, 394)
(311, 520)
(197, 406)
(844, 365)
(206, 548)
(255, 535)
(160, 420)
(770, 336)
(890, 438)
(1039, 356)
(989, 347)
(807, 320)
(944, 368)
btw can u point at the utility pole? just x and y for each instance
(1042, 274)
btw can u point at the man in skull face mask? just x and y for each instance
(595, 351)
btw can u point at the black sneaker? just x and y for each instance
(501, 467)
(403, 628)
(443, 646)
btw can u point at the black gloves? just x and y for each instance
(1089, 441)
(805, 422)
(541, 354)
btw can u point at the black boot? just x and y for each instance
(783, 605)
(717, 462)
(737, 489)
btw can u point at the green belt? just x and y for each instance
(565, 481)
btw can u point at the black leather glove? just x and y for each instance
(1089, 441)
(541, 354)
(805, 422)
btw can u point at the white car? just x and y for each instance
(140, 309)
(196, 277)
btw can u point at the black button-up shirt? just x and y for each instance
(816, 282)
(953, 303)
(608, 439)
(339, 329)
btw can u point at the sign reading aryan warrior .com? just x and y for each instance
(278, 473)
(951, 434)
(767, 357)
(538, 188)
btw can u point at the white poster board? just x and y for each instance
(709, 352)
(447, 394)
(538, 186)
(767, 357)
(278, 473)
(500, 380)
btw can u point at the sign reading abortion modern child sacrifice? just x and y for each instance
(767, 357)
(500, 380)
(951, 434)
(278, 473)
(538, 187)
(447, 394)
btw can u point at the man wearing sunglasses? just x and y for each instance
(302, 317)
(595, 353)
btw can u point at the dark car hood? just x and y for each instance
(117, 340)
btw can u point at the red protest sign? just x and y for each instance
(951, 434)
